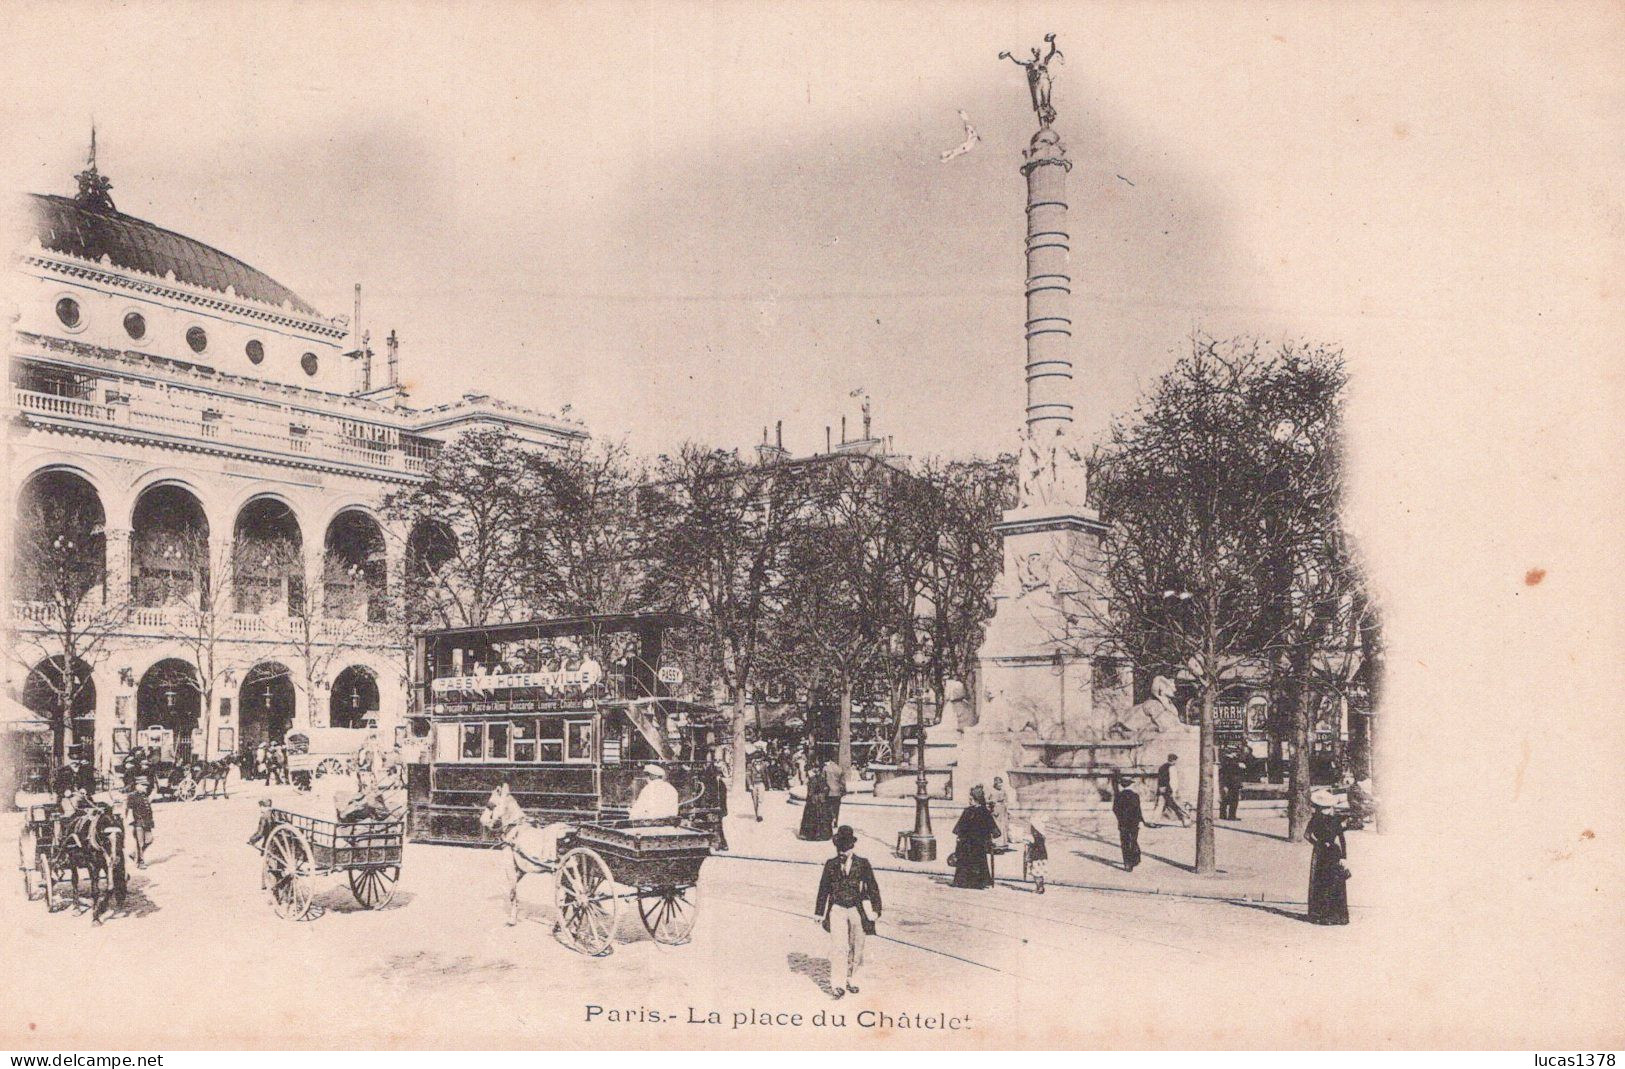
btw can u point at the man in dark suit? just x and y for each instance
(846, 893)
(1232, 775)
(1126, 807)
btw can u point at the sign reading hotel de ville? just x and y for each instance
(687, 526)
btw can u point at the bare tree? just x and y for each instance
(200, 591)
(580, 550)
(853, 571)
(1188, 495)
(60, 576)
(468, 515)
(715, 534)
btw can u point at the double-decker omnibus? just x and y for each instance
(567, 712)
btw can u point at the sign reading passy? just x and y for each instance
(580, 678)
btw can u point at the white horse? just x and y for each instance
(530, 848)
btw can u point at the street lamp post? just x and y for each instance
(922, 844)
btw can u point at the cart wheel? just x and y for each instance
(669, 913)
(289, 873)
(374, 888)
(187, 790)
(26, 861)
(330, 766)
(49, 874)
(588, 906)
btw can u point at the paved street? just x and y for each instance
(200, 954)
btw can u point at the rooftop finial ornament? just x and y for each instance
(1039, 82)
(95, 191)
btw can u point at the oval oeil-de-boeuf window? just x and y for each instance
(308, 362)
(135, 325)
(67, 310)
(197, 339)
(255, 351)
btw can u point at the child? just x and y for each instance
(139, 806)
(267, 822)
(1037, 854)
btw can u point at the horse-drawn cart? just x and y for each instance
(298, 848)
(54, 847)
(654, 863)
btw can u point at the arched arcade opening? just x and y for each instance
(265, 705)
(353, 702)
(168, 707)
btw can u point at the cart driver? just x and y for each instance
(658, 798)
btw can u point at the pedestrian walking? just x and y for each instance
(1130, 817)
(974, 834)
(279, 764)
(1328, 875)
(1232, 776)
(835, 780)
(848, 906)
(138, 804)
(1037, 853)
(756, 769)
(999, 802)
(814, 815)
(262, 764)
(1168, 792)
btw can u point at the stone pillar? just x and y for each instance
(221, 565)
(395, 577)
(1049, 286)
(118, 564)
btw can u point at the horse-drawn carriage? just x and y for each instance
(55, 847)
(531, 733)
(297, 849)
(597, 867)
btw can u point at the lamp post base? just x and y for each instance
(922, 847)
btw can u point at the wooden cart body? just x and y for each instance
(652, 863)
(43, 864)
(298, 848)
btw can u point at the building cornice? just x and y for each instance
(167, 287)
(228, 450)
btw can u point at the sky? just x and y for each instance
(688, 221)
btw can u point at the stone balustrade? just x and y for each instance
(246, 428)
(180, 622)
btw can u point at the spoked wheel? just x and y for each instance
(330, 766)
(26, 861)
(374, 888)
(669, 913)
(50, 874)
(587, 903)
(187, 790)
(289, 873)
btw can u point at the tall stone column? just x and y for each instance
(1049, 286)
(1037, 710)
(1051, 475)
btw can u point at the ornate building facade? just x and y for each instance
(204, 456)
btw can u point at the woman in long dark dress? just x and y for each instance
(815, 814)
(974, 835)
(1328, 878)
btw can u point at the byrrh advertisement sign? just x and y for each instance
(581, 678)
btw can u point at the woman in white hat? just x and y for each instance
(1328, 876)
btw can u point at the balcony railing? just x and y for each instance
(176, 621)
(246, 430)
